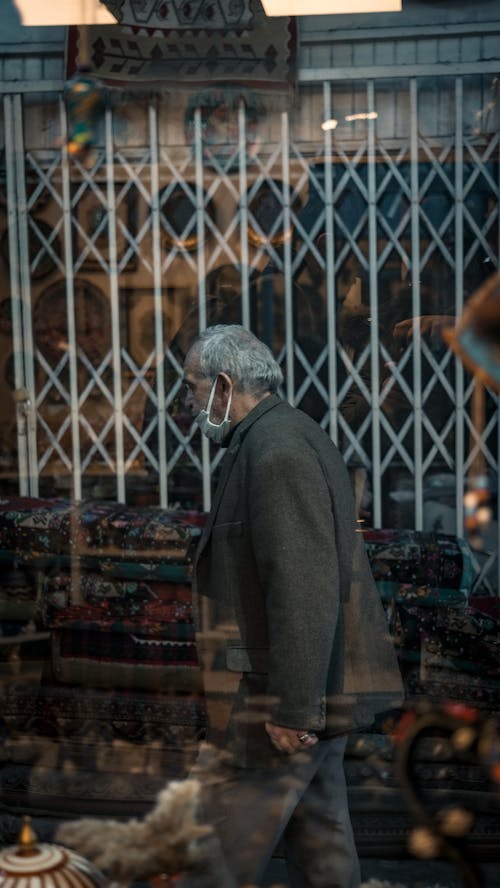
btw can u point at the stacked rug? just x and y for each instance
(114, 708)
(117, 691)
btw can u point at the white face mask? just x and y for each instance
(213, 430)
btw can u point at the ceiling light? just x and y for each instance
(330, 124)
(362, 115)
(329, 7)
(64, 12)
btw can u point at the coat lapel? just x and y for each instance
(228, 462)
(227, 465)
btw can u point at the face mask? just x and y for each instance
(215, 431)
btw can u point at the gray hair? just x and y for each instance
(232, 349)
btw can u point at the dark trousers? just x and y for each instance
(300, 805)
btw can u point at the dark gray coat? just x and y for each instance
(283, 559)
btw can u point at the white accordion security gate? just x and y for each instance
(323, 244)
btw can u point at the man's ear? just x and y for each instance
(224, 383)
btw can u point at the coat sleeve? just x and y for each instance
(293, 537)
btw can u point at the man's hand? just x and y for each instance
(289, 740)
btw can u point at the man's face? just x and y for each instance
(197, 386)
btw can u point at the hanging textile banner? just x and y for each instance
(159, 14)
(188, 43)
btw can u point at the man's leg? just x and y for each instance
(318, 840)
(250, 808)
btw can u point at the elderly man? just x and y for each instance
(281, 575)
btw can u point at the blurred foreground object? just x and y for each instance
(476, 341)
(166, 842)
(476, 337)
(329, 7)
(31, 864)
(84, 97)
(65, 12)
(475, 739)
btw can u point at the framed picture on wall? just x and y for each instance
(137, 316)
(91, 246)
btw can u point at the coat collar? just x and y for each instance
(242, 428)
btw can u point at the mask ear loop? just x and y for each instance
(228, 405)
(211, 397)
(210, 402)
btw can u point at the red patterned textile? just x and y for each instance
(31, 527)
(417, 567)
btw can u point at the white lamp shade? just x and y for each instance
(30, 864)
(329, 7)
(64, 12)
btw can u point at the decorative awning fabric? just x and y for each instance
(160, 43)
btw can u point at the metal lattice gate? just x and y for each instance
(331, 248)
